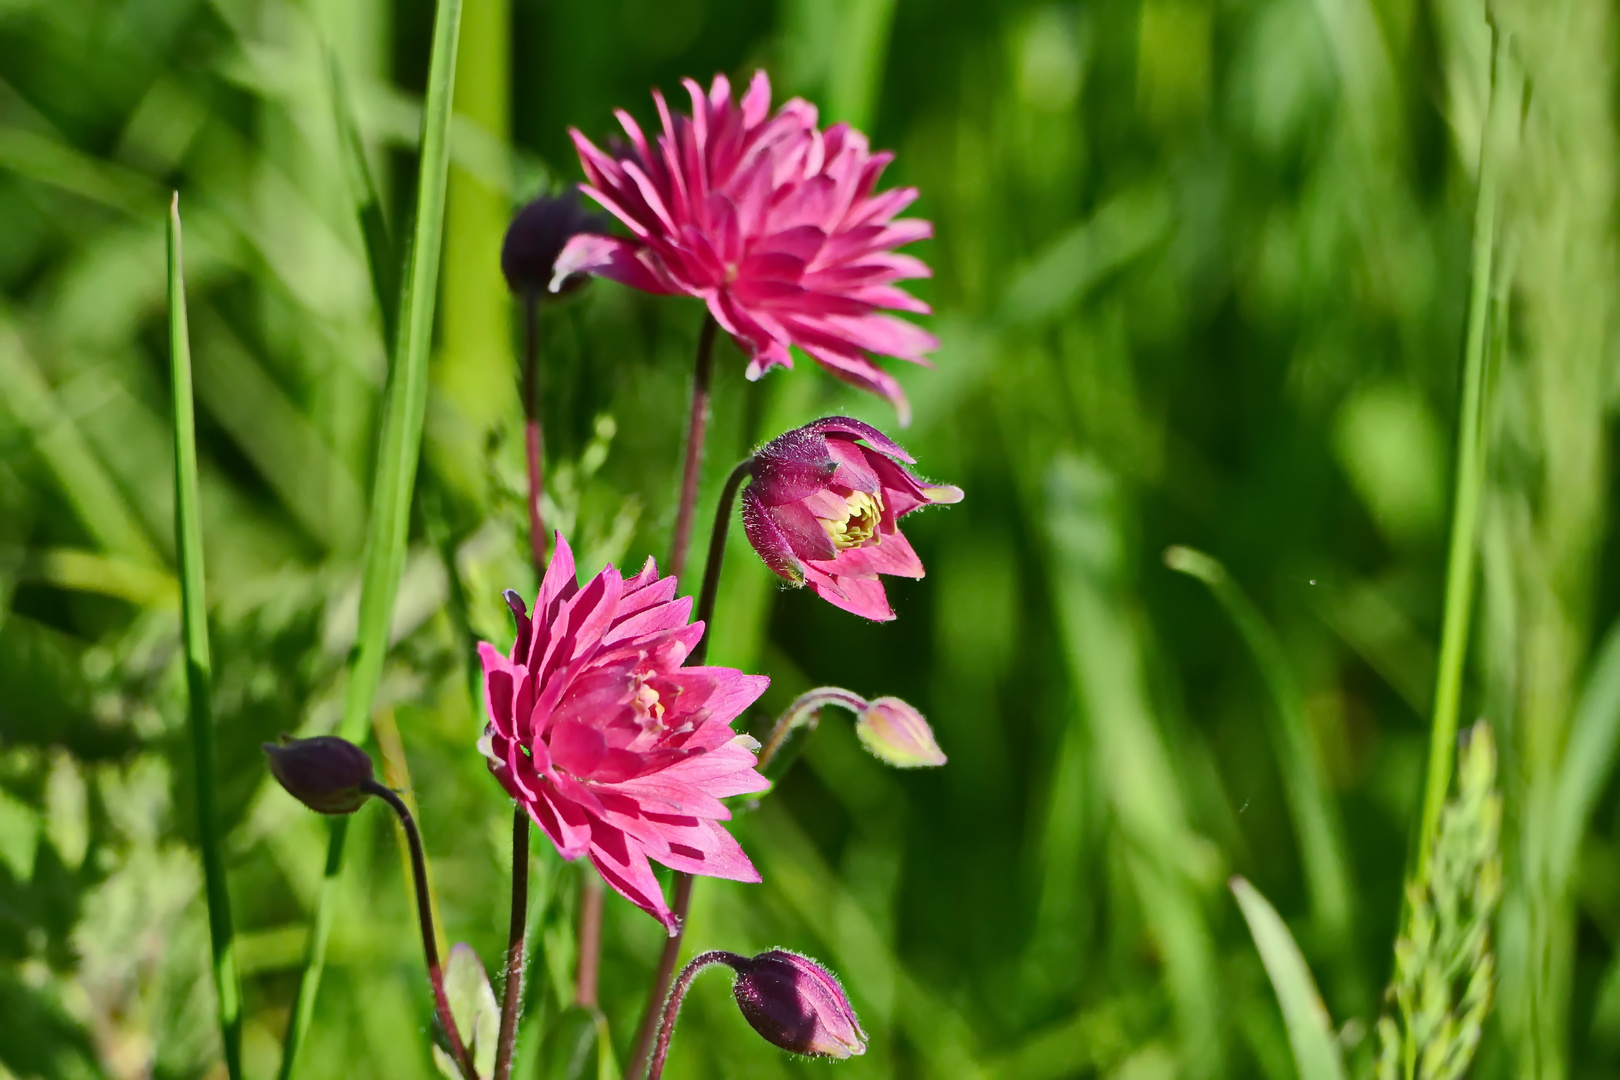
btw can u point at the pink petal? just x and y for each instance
(613, 258)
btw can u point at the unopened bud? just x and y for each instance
(897, 733)
(325, 773)
(537, 235)
(798, 1005)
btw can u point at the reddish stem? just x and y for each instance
(533, 438)
(697, 423)
(590, 940)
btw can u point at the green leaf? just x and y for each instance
(473, 1005)
(1310, 1030)
(188, 542)
(404, 406)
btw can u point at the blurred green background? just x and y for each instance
(1200, 278)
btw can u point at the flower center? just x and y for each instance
(649, 708)
(857, 521)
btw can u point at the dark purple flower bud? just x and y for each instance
(325, 773)
(537, 235)
(823, 509)
(795, 1003)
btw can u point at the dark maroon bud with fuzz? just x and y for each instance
(798, 1005)
(537, 236)
(326, 773)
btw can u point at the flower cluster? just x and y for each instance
(603, 724)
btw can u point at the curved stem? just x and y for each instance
(672, 1006)
(697, 423)
(683, 882)
(804, 707)
(512, 998)
(424, 914)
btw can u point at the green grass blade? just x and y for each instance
(1588, 759)
(1310, 1029)
(380, 258)
(404, 407)
(1470, 483)
(1321, 834)
(199, 677)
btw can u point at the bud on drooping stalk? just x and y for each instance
(897, 733)
(538, 233)
(325, 773)
(795, 1003)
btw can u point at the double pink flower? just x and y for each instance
(616, 750)
(774, 223)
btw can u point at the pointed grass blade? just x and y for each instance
(1310, 1030)
(380, 258)
(199, 678)
(1316, 818)
(404, 405)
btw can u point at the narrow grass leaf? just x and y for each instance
(404, 406)
(1588, 758)
(1310, 1030)
(188, 543)
(368, 212)
(1316, 818)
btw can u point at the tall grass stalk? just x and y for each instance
(1469, 483)
(404, 407)
(188, 543)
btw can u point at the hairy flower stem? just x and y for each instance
(677, 994)
(804, 711)
(696, 427)
(512, 995)
(424, 913)
(683, 882)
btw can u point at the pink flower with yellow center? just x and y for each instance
(823, 510)
(616, 750)
(774, 223)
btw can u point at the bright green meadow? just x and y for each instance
(1275, 646)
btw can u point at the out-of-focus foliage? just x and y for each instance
(1200, 276)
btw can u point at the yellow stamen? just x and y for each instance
(858, 521)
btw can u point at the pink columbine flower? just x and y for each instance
(616, 750)
(824, 510)
(775, 224)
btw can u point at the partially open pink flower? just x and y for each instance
(824, 510)
(616, 750)
(772, 222)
